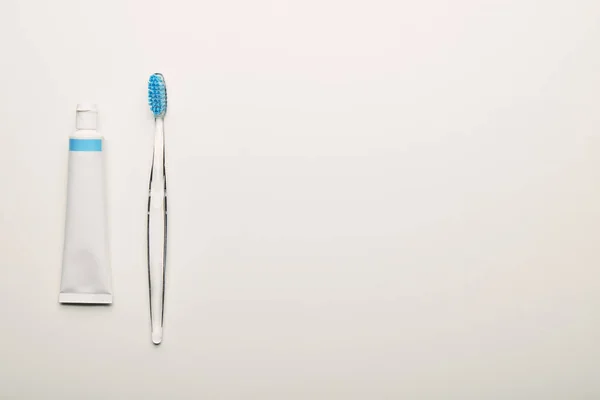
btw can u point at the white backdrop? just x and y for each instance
(367, 199)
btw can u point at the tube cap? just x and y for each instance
(86, 116)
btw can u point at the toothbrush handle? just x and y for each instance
(157, 234)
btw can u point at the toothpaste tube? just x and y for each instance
(86, 274)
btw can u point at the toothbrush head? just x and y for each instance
(157, 95)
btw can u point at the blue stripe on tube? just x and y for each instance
(85, 144)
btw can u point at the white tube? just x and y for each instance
(86, 268)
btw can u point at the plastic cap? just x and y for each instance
(86, 116)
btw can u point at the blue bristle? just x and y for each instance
(157, 95)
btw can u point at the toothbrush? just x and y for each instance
(157, 209)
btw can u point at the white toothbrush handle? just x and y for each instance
(157, 234)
